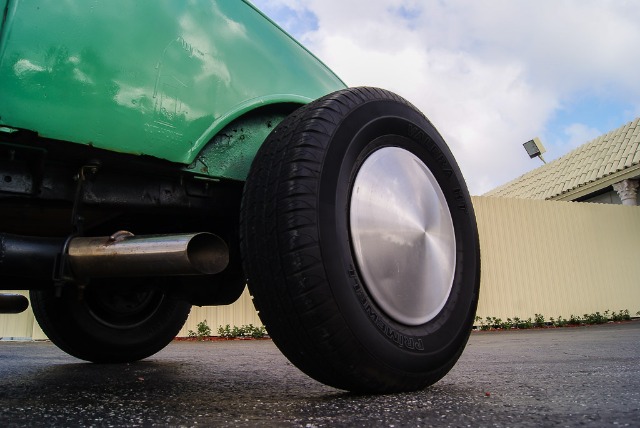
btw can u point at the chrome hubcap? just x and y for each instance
(402, 235)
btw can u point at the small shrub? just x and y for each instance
(526, 323)
(494, 323)
(497, 323)
(621, 316)
(506, 325)
(573, 320)
(539, 321)
(234, 332)
(560, 322)
(491, 323)
(517, 322)
(256, 332)
(225, 331)
(596, 318)
(478, 322)
(202, 331)
(482, 325)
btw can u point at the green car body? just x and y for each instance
(156, 154)
(142, 116)
(156, 78)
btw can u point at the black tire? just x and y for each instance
(302, 262)
(110, 323)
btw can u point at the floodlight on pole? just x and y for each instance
(535, 148)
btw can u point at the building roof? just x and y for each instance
(608, 159)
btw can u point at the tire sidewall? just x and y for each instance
(407, 348)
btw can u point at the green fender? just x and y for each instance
(153, 77)
(230, 152)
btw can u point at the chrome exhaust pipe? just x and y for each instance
(119, 255)
(124, 254)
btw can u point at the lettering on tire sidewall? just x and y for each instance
(401, 340)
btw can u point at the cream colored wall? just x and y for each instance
(557, 258)
(550, 258)
(18, 325)
(240, 313)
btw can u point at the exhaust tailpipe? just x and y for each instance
(119, 255)
(124, 254)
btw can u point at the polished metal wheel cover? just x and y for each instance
(402, 235)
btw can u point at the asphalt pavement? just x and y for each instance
(581, 376)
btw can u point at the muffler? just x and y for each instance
(28, 256)
(119, 255)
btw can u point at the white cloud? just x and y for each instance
(477, 107)
(489, 74)
(577, 134)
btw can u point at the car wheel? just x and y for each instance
(360, 243)
(106, 323)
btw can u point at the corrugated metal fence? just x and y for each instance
(557, 258)
(240, 313)
(538, 257)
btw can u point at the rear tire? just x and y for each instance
(110, 324)
(360, 243)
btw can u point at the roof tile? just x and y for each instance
(614, 151)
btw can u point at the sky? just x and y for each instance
(489, 74)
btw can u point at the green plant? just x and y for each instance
(255, 332)
(574, 320)
(539, 321)
(560, 322)
(226, 332)
(494, 323)
(250, 330)
(525, 323)
(202, 331)
(622, 315)
(516, 322)
(482, 325)
(490, 323)
(507, 325)
(519, 323)
(497, 323)
(596, 318)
